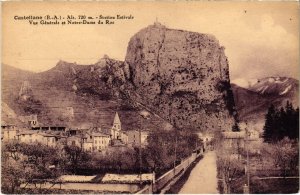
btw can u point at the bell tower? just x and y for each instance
(117, 122)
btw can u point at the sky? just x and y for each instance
(260, 38)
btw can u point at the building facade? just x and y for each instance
(134, 138)
(8, 132)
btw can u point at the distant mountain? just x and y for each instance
(280, 86)
(254, 99)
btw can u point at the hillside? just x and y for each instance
(54, 89)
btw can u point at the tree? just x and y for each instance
(11, 168)
(12, 175)
(235, 127)
(229, 169)
(284, 154)
(282, 123)
(166, 147)
(269, 124)
(75, 156)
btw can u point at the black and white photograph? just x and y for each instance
(149, 97)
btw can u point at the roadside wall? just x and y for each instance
(131, 188)
(161, 182)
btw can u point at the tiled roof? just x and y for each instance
(76, 178)
(27, 132)
(233, 135)
(47, 135)
(118, 178)
(99, 134)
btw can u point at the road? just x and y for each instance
(203, 178)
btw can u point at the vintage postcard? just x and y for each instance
(149, 97)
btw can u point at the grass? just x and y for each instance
(275, 186)
(267, 186)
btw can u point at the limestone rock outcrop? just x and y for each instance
(182, 76)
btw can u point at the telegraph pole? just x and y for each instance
(175, 152)
(140, 154)
(247, 186)
(140, 150)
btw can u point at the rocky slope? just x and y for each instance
(178, 76)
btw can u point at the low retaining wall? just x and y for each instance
(129, 188)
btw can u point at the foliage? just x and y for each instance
(284, 154)
(225, 88)
(162, 145)
(281, 123)
(23, 163)
(229, 169)
(33, 163)
(75, 157)
(12, 175)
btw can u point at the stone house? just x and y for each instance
(8, 132)
(30, 136)
(134, 137)
(75, 140)
(100, 141)
(49, 139)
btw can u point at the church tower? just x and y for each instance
(117, 122)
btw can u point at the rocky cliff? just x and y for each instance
(182, 76)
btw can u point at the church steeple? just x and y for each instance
(117, 122)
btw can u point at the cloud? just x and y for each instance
(260, 42)
(265, 51)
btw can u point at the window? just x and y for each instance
(53, 140)
(73, 143)
(95, 141)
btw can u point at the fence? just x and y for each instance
(166, 178)
(146, 190)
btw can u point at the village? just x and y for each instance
(89, 140)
